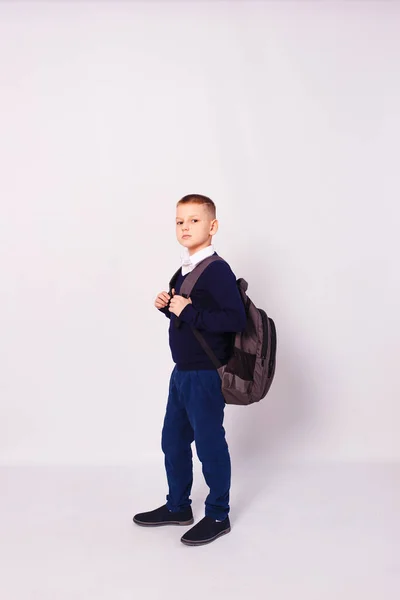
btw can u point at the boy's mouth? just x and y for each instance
(186, 236)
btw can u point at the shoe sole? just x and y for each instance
(191, 543)
(142, 524)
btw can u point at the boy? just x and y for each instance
(195, 408)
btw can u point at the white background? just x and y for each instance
(287, 115)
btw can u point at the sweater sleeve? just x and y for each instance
(165, 311)
(230, 316)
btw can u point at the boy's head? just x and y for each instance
(196, 222)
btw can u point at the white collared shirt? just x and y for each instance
(189, 262)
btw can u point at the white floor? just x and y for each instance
(298, 532)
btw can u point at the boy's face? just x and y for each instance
(194, 226)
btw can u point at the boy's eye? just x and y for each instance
(193, 220)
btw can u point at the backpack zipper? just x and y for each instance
(264, 348)
(265, 320)
(273, 347)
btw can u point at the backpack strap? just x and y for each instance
(191, 279)
(193, 276)
(207, 348)
(186, 290)
(172, 283)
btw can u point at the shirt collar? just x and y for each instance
(189, 262)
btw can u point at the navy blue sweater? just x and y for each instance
(217, 311)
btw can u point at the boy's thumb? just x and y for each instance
(173, 291)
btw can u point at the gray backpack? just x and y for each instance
(248, 375)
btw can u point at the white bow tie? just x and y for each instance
(186, 262)
(187, 265)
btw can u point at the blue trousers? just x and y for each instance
(195, 412)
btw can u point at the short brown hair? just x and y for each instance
(200, 199)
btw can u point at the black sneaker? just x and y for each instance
(207, 530)
(162, 516)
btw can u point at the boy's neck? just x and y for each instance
(194, 250)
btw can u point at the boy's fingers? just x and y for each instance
(161, 301)
(164, 298)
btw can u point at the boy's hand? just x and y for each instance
(162, 300)
(178, 303)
